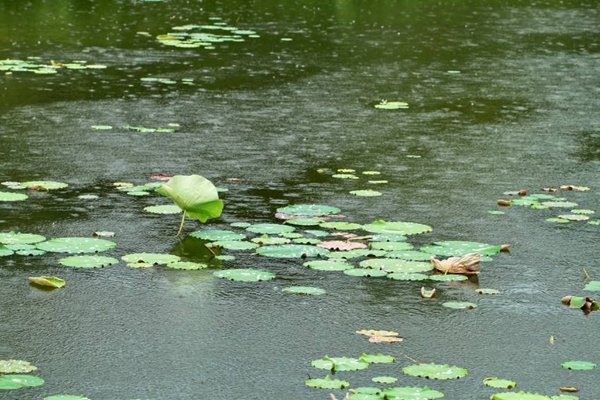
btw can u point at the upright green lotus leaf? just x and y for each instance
(409, 255)
(186, 265)
(76, 245)
(266, 240)
(326, 383)
(455, 248)
(377, 358)
(88, 261)
(150, 258)
(66, 397)
(291, 251)
(50, 185)
(499, 383)
(20, 238)
(366, 193)
(195, 195)
(578, 365)
(5, 251)
(341, 225)
(215, 235)
(19, 381)
(363, 272)
(384, 379)
(397, 228)
(270, 229)
(163, 209)
(459, 305)
(16, 367)
(391, 246)
(328, 265)
(435, 371)
(393, 265)
(8, 196)
(448, 278)
(412, 393)
(592, 285)
(48, 281)
(245, 275)
(304, 290)
(340, 364)
(519, 396)
(310, 210)
(234, 244)
(402, 276)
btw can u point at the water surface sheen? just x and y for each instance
(522, 113)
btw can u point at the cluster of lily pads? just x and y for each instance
(351, 174)
(37, 66)
(172, 127)
(193, 36)
(166, 81)
(38, 186)
(548, 201)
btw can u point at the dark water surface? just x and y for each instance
(523, 113)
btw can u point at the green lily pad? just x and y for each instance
(101, 127)
(435, 371)
(291, 251)
(459, 305)
(341, 225)
(139, 193)
(391, 105)
(578, 365)
(559, 204)
(391, 246)
(519, 396)
(304, 290)
(5, 251)
(403, 276)
(9, 238)
(487, 291)
(270, 229)
(363, 272)
(304, 240)
(149, 258)
(574, 217)
(88, 261)
(50, 185)
(345, 176)
(340, 364)
(594, 222)
(225, 257)
(186, 265)
(234, 244)
(291, 235)
(163, 209)
(310, 210)
(592, 285)
(48, 281)
(349, 254)
(66, 397)
(365, 393)
(409, 255)
(19, 381)
(366, 193)
(371, 173)
(318, 233)
(76, 245)
(411, 393)
(384, 379)
(240, 224)
(328, 265)
(448, 278)
(327, 383)
(377, 358)
(216, 235)
(304, 221)
(8, 196)
(496, 212)
(454, 248)
(245, 275)
(582, 211)
(499, 383)
(558, 220)
(387, 237)
(394, 265)
(28, 252)
(16, 367)
(266, 240)
(396, 228)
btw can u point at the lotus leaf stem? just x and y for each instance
(181, 225)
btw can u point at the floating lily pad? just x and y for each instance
(341, 225)
(245, 275)
(403, 276)
(311, 210)
(594, 222)
(5, 251)
(215, 235)
(101, 127)
(186, 265)
(345, 176)
(225, 257)
(234, 244)
(411, 393)
(304, 290)
(318, 233)
(409, 255)
(366, 193)
(487, 291)
(391, 105)
(578, 365)
(291, 251)
(365, 393)
(88, 197)
(363, 272)
(371, 173)
(340, 364)
(16, 367)
(384, 379)
(19, 381)
(499, 383)
(50, 185)
(87, 261)
(149, 258)
(355, 254)
(582, 211)
(559, 204)
(377, 358)
(448, 278)
(66, 397)
(103, 234)
(240, 224)
(304, 240)
(496, 212)
(163, 209)
(339, 245)
(76, 245)
(327, 383)
(391, 246)
(270, 240)
(387, 237)
(270, 229)
(558, 220)
(394, 265)
(328, 265)
(519, 396)
(574, 217)
(48, 281)
(8, 196)
(459, 305)
(397, 228)
(28, 252)
(435, 371)
(455, 248)
(592, 285)
(304, 221)
(9, 238)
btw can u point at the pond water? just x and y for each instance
(261, 118)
